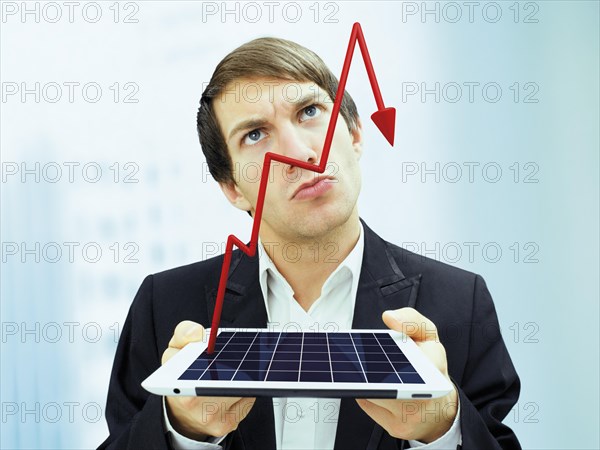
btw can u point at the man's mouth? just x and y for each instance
(313, 188)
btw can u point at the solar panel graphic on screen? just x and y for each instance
(304, 356)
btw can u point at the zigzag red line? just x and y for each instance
(356, 35)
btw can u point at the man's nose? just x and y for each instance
(294, 145)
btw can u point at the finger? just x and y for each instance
(412, 323)
(223, 414)
(186, 332)
(243, 400)
(203, 404)
(398, 407)
(228, 409)
(388, 405)
(229, 404)
(380, 415)
(206, 405)
(241, 408)
(168, 354)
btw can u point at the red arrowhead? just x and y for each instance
(385, 119)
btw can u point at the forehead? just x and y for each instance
(249, 98)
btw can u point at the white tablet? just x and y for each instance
(263, 363)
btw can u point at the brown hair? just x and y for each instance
(263, 57)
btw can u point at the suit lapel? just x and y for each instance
(382, 286)
(243, 304)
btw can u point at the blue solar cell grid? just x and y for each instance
(312, 357)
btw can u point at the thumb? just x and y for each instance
(410, 322)
(193, 333)
(186, 332)
(393, 319)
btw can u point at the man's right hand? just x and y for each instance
(200, 417)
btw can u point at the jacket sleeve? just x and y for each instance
(490, 385)
(134, 416)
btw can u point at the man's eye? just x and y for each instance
(310, 112)
(252, 137)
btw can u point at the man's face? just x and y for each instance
(263, 115)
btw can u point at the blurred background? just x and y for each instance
(494, 170)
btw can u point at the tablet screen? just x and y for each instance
(341, 357)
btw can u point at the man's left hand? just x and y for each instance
(421, 420)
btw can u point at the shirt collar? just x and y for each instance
(351, 265)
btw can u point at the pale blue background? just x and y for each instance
(176, 210)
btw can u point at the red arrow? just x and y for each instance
(384, 118)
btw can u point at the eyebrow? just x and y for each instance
(254, 123)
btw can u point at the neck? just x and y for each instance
(307, 263)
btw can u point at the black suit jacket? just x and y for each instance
(457, 301)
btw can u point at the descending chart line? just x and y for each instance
(384, 118)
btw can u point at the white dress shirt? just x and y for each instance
(310, 423)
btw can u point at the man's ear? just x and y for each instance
(357, 138)
(235, 196)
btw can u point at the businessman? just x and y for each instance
(273, 95)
